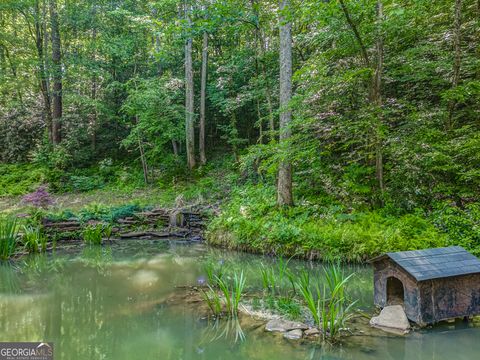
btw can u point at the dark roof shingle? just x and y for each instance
(436, 263)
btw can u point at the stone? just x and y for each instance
(293, 334)
(312, 332)
(280, 325)
(177, 219)
(393, 319)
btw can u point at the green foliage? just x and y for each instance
(462, 225)
(92, 234)
(328, 305)
(276, 278)
(8, 237)
(213, 300)
(33, 239)
(223, 296)
(19, 179)
(96, 211)
(214, 270)
(251, 221)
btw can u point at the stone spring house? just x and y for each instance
(432, 285)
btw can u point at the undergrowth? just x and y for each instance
(252, 221)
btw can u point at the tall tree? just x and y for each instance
(189, 104)
(284, 185)
(57, 74)
(203, 94)
(457, 29)
(40, 35)
(377, 98)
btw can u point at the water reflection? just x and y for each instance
(229, 330)
(123, 302)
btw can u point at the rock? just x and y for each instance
(293, 334)
(177, 219)
(312, 332)
(280, 325)
(393, 319)
(158, 234)
(135, 234)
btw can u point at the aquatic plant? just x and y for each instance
(222, 295)
(92, 234)
(33, 239)
(274, 278)
(8, 237)
(214, 270)
(268, 278)
(237, 291)
(328, 305)
(107, 231)
(213, 300)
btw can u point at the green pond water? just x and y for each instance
(130, 300)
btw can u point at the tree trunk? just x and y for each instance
(40, 35)
(57, 75)
(356, 33)
(233, 124)
(457, 58)
(175, 148)
(203, 94)
(284, 185)
(189, 115)
(377, 99)
(94, 88)
(260, 125)
(143, 159)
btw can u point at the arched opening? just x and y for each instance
(395, 293)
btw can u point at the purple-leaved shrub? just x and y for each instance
(40, 198)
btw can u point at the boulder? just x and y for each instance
(393, 319)
(312, 332)
(293, 334)
(280, 325)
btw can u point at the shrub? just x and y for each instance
(462, 226)
(82, 183)
(40, 198)
(19, 179)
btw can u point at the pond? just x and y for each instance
(130, 301)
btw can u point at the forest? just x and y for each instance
(316, 128)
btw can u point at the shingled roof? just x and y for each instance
(435, 263)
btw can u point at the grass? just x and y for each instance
(92, 234)
(328, 304)
(275, 278)
(8, 237)
(33, 239)
(223, 297)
